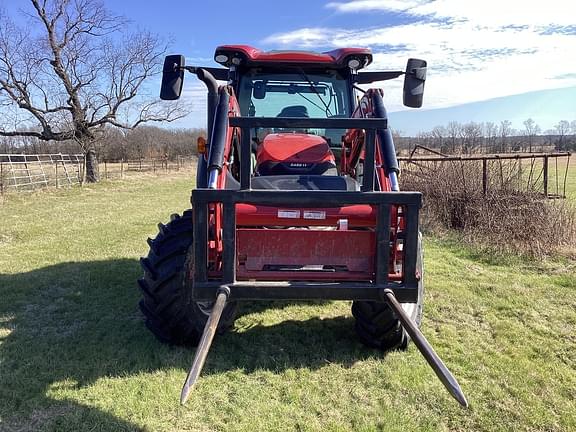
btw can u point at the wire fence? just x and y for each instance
(28, 172)
(545, 174)
(114, 169)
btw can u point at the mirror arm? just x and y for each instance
(220, 74)
(191, 69)
(374, 76)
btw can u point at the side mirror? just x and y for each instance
(259, 91)
(172, 77)
(414, 80)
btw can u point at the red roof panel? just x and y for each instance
(337, 57)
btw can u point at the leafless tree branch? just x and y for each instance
(77, 71)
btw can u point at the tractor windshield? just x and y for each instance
(295, 94)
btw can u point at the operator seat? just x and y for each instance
(294, 111)
(319, 176)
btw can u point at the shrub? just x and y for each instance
(504, 219)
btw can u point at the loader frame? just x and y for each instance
(206, 286)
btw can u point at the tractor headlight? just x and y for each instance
(354, 63)
(221, 58)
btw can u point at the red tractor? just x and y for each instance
(296, 197)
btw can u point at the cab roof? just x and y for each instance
(229, 55)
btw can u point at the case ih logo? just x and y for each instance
(299, 165)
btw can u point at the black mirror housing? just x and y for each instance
(259, 91)
(172, 77)
(414, 80)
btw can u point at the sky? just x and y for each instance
(476, 50)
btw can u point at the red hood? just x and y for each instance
(294, 147)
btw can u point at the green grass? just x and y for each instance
(75, 355)
(562, 170)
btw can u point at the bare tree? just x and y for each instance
(491, 134)
(453, 129)
(438, 134)
(562, 129)
(531, 129)
(76, 72)
(471, 136)
(504, 131)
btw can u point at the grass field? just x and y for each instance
(75, 355)
(571, 179)
(562, 170)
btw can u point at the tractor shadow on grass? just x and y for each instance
(65, 326)
(309, 343)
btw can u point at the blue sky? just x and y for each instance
(477, 50)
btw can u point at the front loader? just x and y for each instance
(297, 197)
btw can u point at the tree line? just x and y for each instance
(143, 142)
(491, 137)
(148, 141)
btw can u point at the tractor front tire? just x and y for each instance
(377, 325)
(169, 311)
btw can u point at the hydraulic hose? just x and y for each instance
(212, 100)
(212, 85)
(387, 147)
(218, 138)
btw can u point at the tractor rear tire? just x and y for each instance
(377, 325)
(169, 311)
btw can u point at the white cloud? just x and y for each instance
(374, 5)
(499, 12)
(491, 12)
(304, 38)
(475, 50)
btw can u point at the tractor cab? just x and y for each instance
(295, 87)
(294, 84)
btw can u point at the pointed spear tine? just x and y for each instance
(205, 343)
(426, 350)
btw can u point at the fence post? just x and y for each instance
(519, 174)
(1, 178)
(81, 167)
(154, 166)
(546, 176)
(56, 174)
(122, 168)
(484, 176)
(105, 169)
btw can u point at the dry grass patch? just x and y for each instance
(504, 219)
